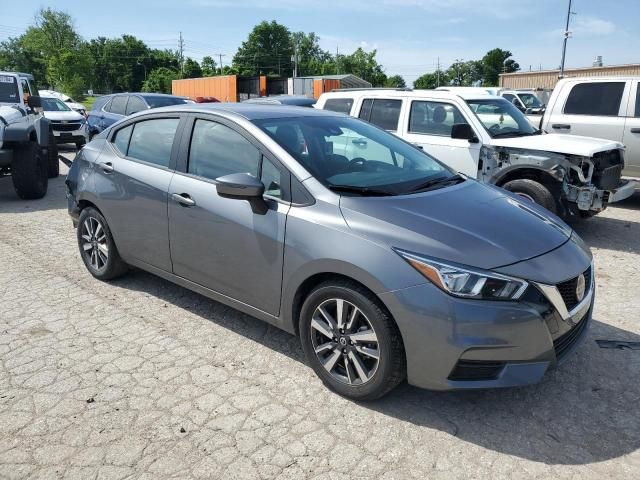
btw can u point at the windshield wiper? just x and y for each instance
(438, 182)
(373, 192)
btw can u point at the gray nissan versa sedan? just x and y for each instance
(385, 263)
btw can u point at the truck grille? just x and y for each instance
(65, 127)
(568, 289)
(608, 169)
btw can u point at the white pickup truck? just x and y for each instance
(488, 138)
(603, 107)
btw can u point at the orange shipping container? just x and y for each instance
(224, 88)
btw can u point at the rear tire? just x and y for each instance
(533, 191)
(52, 156)
(97, 248)
(29, 171)
(366, 359)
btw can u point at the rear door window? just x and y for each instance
(152, 140)
(385, 113)
(121, 139)
(598, 99)
(118, 105)
(135, 105)
(341, 105)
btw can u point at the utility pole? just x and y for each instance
(567, 34)
(438, 73)
(181, 53)
(220, 55)
(295, 60)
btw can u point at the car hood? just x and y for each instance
(72, 116)
(470, 223)
(559, 143)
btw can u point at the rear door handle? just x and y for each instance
(359, 141)
(107, 167)
(635, 130)
(183, 199)
(561, 126)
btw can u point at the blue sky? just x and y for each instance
(409, 35)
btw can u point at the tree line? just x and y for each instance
(57, 55)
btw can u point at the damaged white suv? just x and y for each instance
(488, 138)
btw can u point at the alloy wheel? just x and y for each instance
(94, 243)
(345, 341)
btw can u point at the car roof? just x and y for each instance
(283, 100)
(395, 93)
(28, 76)
(250, 111)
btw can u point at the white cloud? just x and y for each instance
(593, 26)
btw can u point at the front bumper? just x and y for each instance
(453, 343)
(624, 190)
(75, 136)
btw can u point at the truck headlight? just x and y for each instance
(466, 282)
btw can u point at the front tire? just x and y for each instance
(97, 248)
(29, 172)
(534, 192)
(350, 341)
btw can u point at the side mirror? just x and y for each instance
(463, 131)
(243, 186)
(34, 102)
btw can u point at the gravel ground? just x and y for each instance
(140, 378)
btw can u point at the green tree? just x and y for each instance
(465, 73)
(159, 80)
(191, 69)
(267, 51)
(208, 65)
(364, 65)
(312, 60)
(396, 81)
(431, 80)
(494, 63)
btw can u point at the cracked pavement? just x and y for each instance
(140, 378)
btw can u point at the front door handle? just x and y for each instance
(635, 130)
(183, 199)
(418, 146)
(107, 167)
(561, 126)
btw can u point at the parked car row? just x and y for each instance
(108, 109)
(487, 138)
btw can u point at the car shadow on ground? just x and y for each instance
(54, 199)
(612, 233)
(583, 412)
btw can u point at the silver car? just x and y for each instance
(387, 264)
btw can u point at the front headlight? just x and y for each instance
(466, 282)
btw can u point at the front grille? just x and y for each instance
(65, 127)
(608, 169)
(564, 343)
(568, 290)
(476, 370)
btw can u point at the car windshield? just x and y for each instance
(530, 100)
(353, 157)
(54, 105)
(157, 102)
(501, 118)
(8, 89)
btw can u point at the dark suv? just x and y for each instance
(108, 109)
